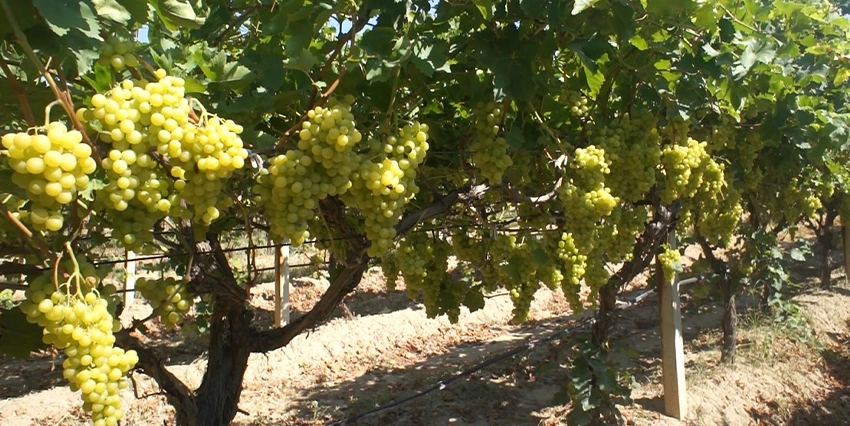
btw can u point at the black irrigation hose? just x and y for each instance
(515, 351)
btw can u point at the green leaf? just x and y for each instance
(137, 9)
(303, 62)
(485, 7)
(177, 13)
(17, 336)
(473, 300)
(111, 9)
(582, 5)
(64, 15)
(757, 51)
(378, 41)
(797, 255)
(841, 76)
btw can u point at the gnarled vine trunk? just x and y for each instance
(730, 320)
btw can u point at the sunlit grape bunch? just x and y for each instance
(118, 53)
(669, 257)
(633, 148)
(489, 150)
(583, 193)
(53, 165)
(381, 188)
(76, 319)
(161, 161)
(169, 298)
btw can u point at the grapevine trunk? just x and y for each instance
(730, 321)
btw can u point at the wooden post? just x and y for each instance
(281, 284)
(845, 239)
(672, 346)
(130, 279)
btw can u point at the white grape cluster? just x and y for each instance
(159, 158)
(76, 319)
(584, 194)
(489, 150)
(321, 166)
(118, 53)
(384, 186)
(169, 298)
(53, 167)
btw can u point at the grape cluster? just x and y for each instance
(161, 162)
(118, 53)
(688, 169)
(169, 298)
(584, 195)
(382, 187)
(423, 264)
(633, 149)
(668, 258)
(52, 167)
(322, 166)
(571, 261)
(76, 318)
(578, 103)
(489, 151)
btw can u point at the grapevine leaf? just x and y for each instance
(540, 256)
(303, 62)
(113, 10)
(177, 13)
(17, 336)
(64, 15)
(582, 5)
(137, 9)
(797, 255)
(300, 34)
(841, 76)
(378, 41)
(485, 7)
(756, 51)
(473, 300)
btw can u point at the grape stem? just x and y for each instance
(20, 93)
(22, 229)
(47, 112)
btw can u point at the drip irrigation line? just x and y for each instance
(531, 344)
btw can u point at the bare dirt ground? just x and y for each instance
(380, 348)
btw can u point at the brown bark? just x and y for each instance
(730, 321)
(644, 251)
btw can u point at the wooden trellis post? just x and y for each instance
(130, 279)
(281, 283)
(845, 239)
(672, 345)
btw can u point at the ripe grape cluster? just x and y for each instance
(76, 318)
(118, 53)
(689, 168)
(296, 181)
(53, 166)
(489, 150)
(383, 186)
(159, 159)
(169, 298)
(422, 262)
(633, 149)
(584, 195)
(668, 258)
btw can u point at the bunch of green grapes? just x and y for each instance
(118, 53)
(571, 261)
(422, 262)
(489, 151)
(76, 319)
(689, 168)
(322, 166)
(633, 150)
(583, 193)
(719, 216)
(160, 162)
(520, 266)
(381, 188)
(616, 238)
(798, 200)
(169, 298)
(668, 258)
(468, 247)
(202, 157)
(578, 103)
(52, 167)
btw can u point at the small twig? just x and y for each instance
(22, 229)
